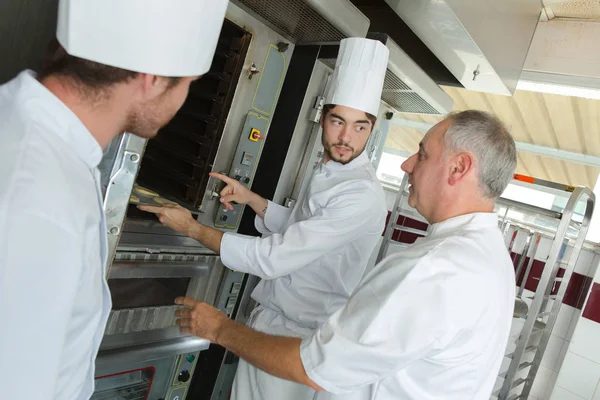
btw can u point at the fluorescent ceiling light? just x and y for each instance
(564, 90)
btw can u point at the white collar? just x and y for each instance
(51, 113)
(455, 224)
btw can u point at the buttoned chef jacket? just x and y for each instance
(312, 257)
(431, 322)
(54, 299)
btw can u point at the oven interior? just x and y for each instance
(149, 292)
(177, 162)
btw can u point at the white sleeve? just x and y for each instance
(260, 226)
(40, 269)
(394, 318)
(275, 219)
(345, 218)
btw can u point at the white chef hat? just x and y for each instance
(360, 69)
(160, 37)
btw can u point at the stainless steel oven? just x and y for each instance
(158, 372)
(221, 126)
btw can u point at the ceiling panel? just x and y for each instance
(404, 139)
(556, 121)
(584, 9)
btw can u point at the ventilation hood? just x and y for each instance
(309, 21)
(407, 88)
(483, 43)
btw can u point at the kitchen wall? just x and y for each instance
(568, 317)
(579, 377)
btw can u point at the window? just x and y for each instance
(388, 170)
(529, 196)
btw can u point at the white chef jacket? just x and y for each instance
(312, 258)
(54, 299)
(431, 322)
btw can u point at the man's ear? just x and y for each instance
(461, 165)
(152, 86)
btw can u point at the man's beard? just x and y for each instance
(352, 155)
(146, 123)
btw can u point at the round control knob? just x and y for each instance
(237, 177)
(184, 376)
(224, 218)
(246, 180)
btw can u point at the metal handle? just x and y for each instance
(127, 270)
(253, 70)
(149, 352)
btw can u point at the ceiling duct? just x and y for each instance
(309, 21)
(483, 43)
(407, 88)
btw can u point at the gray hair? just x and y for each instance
(487, 138)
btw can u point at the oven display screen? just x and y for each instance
(146, 292)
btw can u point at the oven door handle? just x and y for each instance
(151, 351)
(128, 270)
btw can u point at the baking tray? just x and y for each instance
(146, 197)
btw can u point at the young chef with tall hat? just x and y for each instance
(429, 323)
(311, 257)
(120, 66)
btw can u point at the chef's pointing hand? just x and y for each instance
(233, 192)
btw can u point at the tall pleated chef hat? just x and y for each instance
(358, 77)
(158, 37)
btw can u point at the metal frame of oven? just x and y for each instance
(148, 372)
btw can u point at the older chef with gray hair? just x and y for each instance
(431, 322)
(311, 257)
(120, 66)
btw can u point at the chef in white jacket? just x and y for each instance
(119, 66)
(431, 322)
(311, 257)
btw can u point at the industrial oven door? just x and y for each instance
(147, 372)
(143, 291)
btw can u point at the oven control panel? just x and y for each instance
(244, 165)
(254, 132)
(230, 292)
(182, 376)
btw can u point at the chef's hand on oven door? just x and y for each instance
(173, 216)
(199, 319)
(238, 193)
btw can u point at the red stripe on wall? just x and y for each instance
(413, 223)
(592, 308)
(576, 291)
(406, 237)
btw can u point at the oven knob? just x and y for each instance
(237, 177)
(184, 376)
(246, 180)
